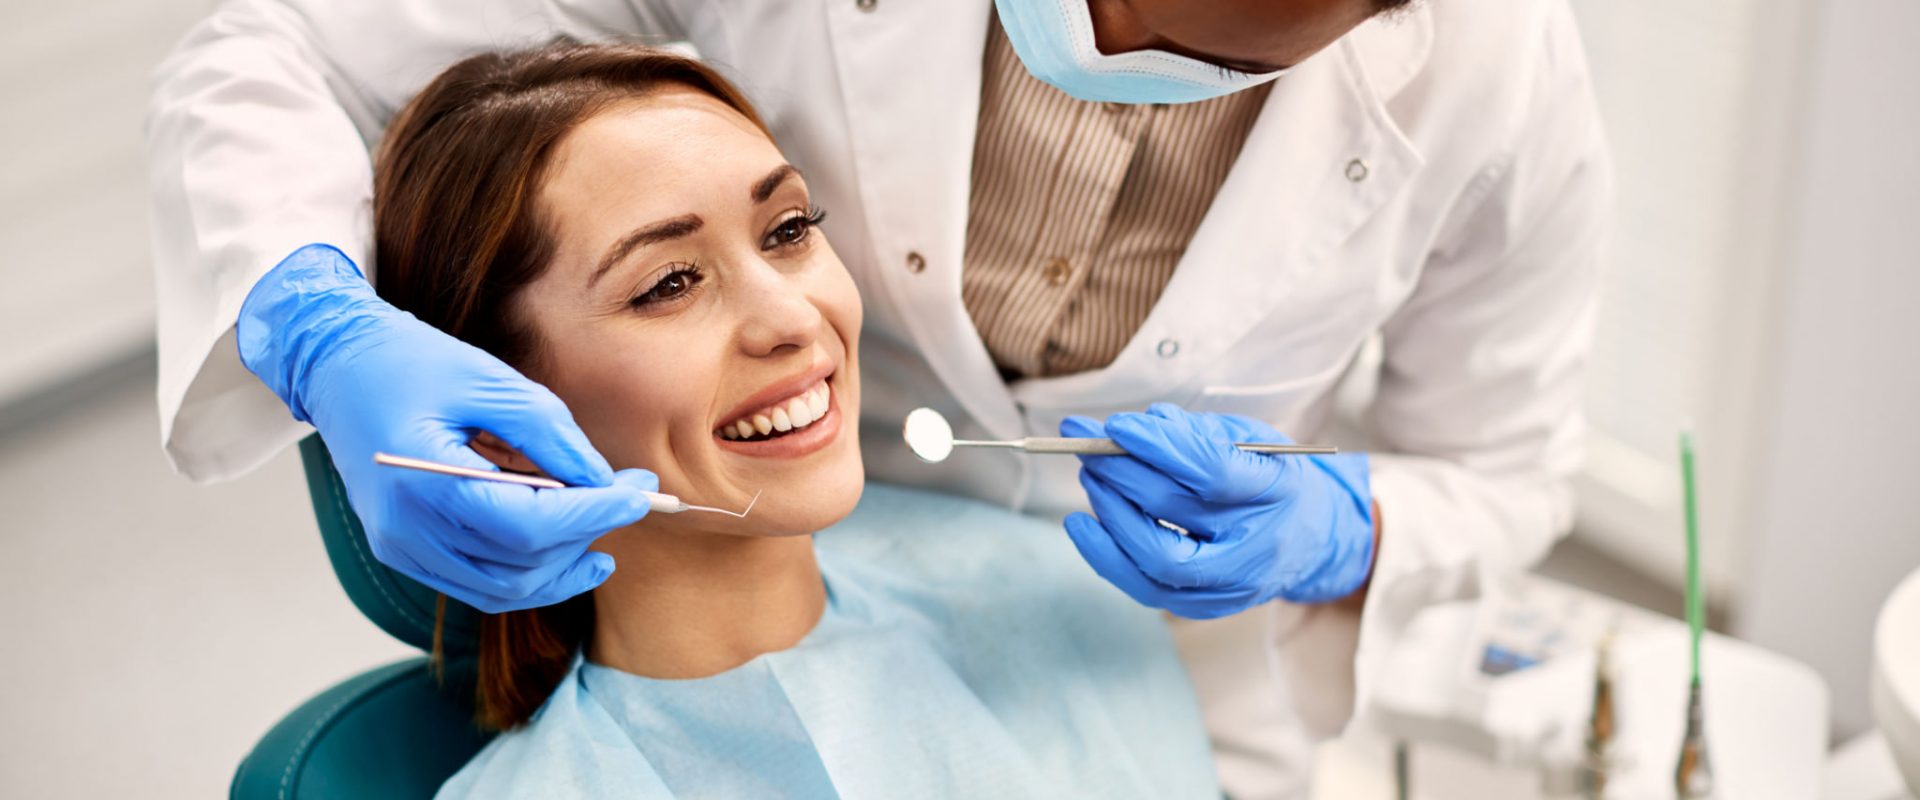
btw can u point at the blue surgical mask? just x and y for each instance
(1054, 39)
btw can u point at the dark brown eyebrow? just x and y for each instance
(664, 230)
(764, 188)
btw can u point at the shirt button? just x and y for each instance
(916, 263)
(1167, 348)
(1356, 170)
(865, 5)
(1058, 271)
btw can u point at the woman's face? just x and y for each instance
(695, 320)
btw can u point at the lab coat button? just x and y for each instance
(1356, 170)
(865, 5)
(1058, 271)
(1167, 348)
(916, 263)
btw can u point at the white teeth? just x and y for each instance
(798, 411)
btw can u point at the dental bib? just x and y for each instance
(965, 651)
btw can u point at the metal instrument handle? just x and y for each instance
(1089, 446)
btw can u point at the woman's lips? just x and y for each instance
(820, 433)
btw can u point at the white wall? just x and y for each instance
(1766, 288)
(1696, 119)
(73, 203)
(1835, 515)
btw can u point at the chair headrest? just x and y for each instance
(398, 604)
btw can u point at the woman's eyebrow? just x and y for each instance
(658, 232)
(763, 188)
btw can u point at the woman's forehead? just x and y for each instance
(656, 154)
(672, 130)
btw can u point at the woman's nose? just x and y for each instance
(777, 313)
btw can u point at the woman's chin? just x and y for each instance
(798, 510)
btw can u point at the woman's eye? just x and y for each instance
(794, 230)
(676, 283)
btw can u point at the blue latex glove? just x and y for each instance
(1260, 527)
(372, 378)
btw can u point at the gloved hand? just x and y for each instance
(1259, 526)
(372, 378)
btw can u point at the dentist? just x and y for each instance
(1059, 212)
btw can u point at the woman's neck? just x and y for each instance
(690, 604)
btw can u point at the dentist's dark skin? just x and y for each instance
(1241, 35)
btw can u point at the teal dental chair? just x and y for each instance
(390, 732)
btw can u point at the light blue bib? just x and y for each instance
(965, 652)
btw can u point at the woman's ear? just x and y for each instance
(502, 454)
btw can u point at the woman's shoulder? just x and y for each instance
(571, 749)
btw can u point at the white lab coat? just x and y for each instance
(1437, 180)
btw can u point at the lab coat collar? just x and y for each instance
(1393, 48)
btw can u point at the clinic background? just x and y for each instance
(1763, 286)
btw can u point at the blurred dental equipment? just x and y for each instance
(1499, 693)
(662, 502)
(930, 437)
(1693, 773)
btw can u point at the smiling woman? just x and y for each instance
(616, 223)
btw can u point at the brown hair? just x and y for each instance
(458, 233)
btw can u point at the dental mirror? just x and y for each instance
(928, 435)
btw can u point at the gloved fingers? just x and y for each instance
(519, 519)
(1162, 554)
(487, 551)
(535, 422)
(461, 591)
(1101, 552)
(549, 583)
(1214, 603)
(496, 589)
(456, 577)
(585, 574)
(1197, 450)
(1146, 488)
(1247, 429)
(1078, 426)
(1175, 443)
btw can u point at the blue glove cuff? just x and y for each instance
(295, 312)
(1349, 560)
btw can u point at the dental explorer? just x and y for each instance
(930, 438)
(663, 503)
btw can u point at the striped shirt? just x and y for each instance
(1081, 210)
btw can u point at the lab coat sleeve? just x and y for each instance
(1477, 420)
(258, 133)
